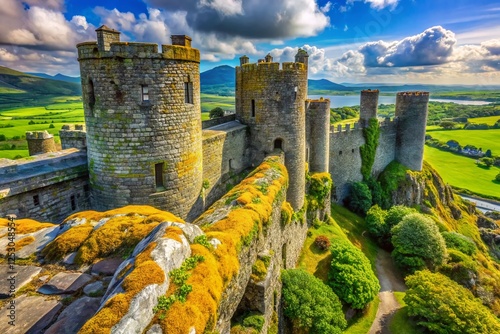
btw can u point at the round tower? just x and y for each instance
(318, 134)
(271, 101)
(143, 118)
(368, 105)
(40, 142)
(411, 113)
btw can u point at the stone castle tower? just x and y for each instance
(411, 113)
(143, 117)
(271, 101)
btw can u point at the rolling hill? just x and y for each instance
(58, 76)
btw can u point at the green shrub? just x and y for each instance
(396, 214)
(255, 321)
(497, 178)
(351, 276)
(216, 113)
(460, 242)
(443, 306)
(375, 222)
(310, 304)
(417, 243)
(360, 198)
(460, 268)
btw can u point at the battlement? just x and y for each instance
(412, 97)
(74, 127)
(354, 126)
(73, 136)
(126, 50)
(270, 67)
(38, 135)
(317, 103)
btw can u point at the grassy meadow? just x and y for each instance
(485, 139)
(463, 172)
(490, 120)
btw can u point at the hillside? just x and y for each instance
(58, 76)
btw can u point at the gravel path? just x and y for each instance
(390, 280)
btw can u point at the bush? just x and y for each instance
(31, 122)
(322, 242)
(2, 137)
(310, 304)
(216, 113)
(351, 276)
(375, 222)
(488, 162)
(459, 242)
(497, 177)
(460, 268)
(417, 243)
(443, 306)
(360, 198)
(396, 214)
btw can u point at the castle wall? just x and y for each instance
(271, 101)
(224, 157)
(49, 188)
(143, 117)
(386, 149)
(345, 160)
(73, 136)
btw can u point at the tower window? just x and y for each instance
(91, 94)
(188, 92)
(145, 93)
(73, 203)
(278, 144)
(253, 108)
(36, 200)
(340, 152)
(159, 176)
(352, 150)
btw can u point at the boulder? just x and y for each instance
(74, 316)
(64, 283)
(14, 278)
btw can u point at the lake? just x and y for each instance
(353, 100)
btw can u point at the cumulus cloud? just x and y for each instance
(260, 19)
(380, 4)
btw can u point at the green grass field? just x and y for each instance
(462, 172)
(490, 120)
(400, 322)
(485, 139)
(209, 101)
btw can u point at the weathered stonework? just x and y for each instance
(318, 135)
(73, 136)
(40, 142)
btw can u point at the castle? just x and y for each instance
(144, 142)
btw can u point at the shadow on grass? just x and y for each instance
(323, 267)
(483, 166)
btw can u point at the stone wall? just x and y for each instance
(73, 136)
(224, 157)
(318, 134)
(49, 188)
(216, 121)
(386, 149)
(271, 101)
(143, 117)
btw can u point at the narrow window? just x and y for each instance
(188, 92)
(231, 164)
(86, 188)
(159, 176)
(145, 93)
(307, 153)
(340, 152)
(253, 108)
(278, 144)
(36, 200)
(73, 203)
(91, 94)
(352, 150)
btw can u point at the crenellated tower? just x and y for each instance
(368, 105)
(318, 134)
(143, 117)
(271, 101)
(411, 113)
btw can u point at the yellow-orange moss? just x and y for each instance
(200, 308)
(24, 242)
(286, 213)
(145, 272)
(67, 242)
(143, 210)
(25, 226)
(174, 232)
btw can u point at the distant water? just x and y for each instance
(353, 100)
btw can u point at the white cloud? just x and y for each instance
(380, 4)
(224, 7)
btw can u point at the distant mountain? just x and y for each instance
(12, 79)
(220, 75)
(58, 76)
(393, 87)
(323, 84)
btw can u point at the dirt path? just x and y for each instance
(390, 280)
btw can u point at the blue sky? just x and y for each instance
(397, 41)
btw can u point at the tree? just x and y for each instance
(448, 125)
(351, 276)
(2, 137)
(51, 126)
(443, 306)
(360, 198)
(459, 242)
(31, 122)
(497, 178)
(417, 243)
(488, 153)
(488, 162)
(310, 304)
(216, 113)
(375, 221)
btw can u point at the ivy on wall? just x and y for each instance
(368, 150)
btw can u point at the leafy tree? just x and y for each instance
(417, 243)
(396, 214)
(216, 113)
(351, 276)
(51, 126)
(31, 122)
(448, 125)
(459, 242)
(375, 221)
(497, 177)
(310, 304)
(360, 198)
(2, 137)
(488, 153)
(443, 306)
(488, 162)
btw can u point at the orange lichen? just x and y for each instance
(145, 272)
(67, 242)
(25, 226)
(143, 210)
(24, 242)
(174, 232)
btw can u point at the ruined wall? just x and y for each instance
(73, 136)
(271, 101)
(143, 117)
(49, 188)
(224, 157)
